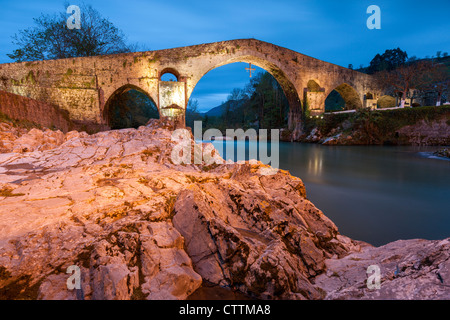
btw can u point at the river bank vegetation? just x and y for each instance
(383, 127)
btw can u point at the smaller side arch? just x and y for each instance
(129, 107)
(313, 86)
(171, 71)
(369, 95)
(350, 96)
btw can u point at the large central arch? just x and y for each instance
(295, 105)
(281, 105)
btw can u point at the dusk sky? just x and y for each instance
(333, 31)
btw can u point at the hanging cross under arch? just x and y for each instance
(250, 69)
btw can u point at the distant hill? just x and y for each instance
(216, 111)
(219, 110)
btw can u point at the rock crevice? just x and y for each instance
(141, 227)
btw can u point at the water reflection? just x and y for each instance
(315, 163)
(372, 193)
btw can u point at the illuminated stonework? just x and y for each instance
(82, 86)
(172, 98)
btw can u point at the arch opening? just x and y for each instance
(258, 102)
(129, 107)
(343, 97)
(169, 74)
(294, 110)
(169, 77)
(313, 86)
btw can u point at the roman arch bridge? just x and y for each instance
(85, 86)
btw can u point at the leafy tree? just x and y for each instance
(268, 101)
(260, 105)
(51, 39)
(389, 60)
(192, 113)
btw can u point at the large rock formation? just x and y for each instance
(139, 226)
(409, 270)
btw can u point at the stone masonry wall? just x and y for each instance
(82, 86)
(42, 113)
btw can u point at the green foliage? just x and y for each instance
(192, 113)
(389, 60)
(19, 123)
(334, 102)
(260, 105)
(327, 123)
(408, 116)
(377, 127)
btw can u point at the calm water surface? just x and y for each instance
(373, 193)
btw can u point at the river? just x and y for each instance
(376, 194)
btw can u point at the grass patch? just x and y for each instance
(210, 167)
(143, 180)
(169, 207)
(149, 152)
(192, 179)
(126, 166)
(26, 124)
(120, 212)
(355, 259)
(8, 192)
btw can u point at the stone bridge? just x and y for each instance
(86, 86)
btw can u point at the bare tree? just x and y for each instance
(401, 80)
(193, 113)
(436, 79)
(51, 39)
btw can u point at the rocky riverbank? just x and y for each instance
(141, 227)
(444, 153)
(422, 126)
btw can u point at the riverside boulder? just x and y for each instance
(141, 227)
